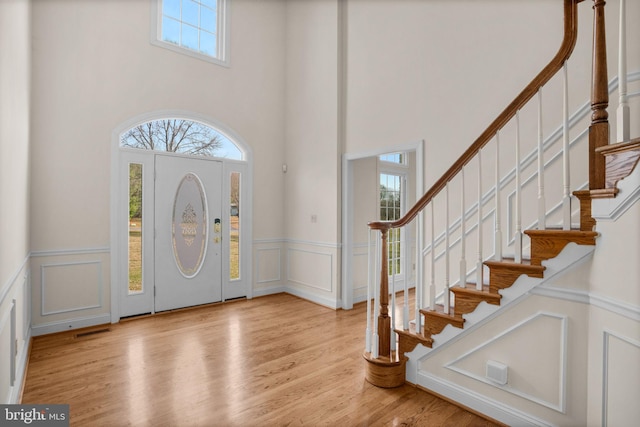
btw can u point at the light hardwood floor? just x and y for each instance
(271, 361)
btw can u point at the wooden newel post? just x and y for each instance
(384, 321)
(599, 129)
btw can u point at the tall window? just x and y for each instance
(195, 27)
(393, 179)
(135, 228)
(234, 226)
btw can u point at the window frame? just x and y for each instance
(222, 34)
(399, 170)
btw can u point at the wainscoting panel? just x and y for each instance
(360, 273)
(72, 286)
(70, 289)
(268, 262)
(7, 358)
(15, 332)
(621, 374)
(311, 269)
(522, 380)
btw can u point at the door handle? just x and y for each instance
(217, 226)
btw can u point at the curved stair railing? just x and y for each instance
(384, 356)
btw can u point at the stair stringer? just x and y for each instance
(572, 255)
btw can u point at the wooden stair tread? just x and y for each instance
(621, 159)
(409, 339)
(559, 233)
(631, 145)
(439, 312)
(510, 263)
(470, 289)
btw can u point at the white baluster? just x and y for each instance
(479, 265)
(376, 308)
(497, 242)
(407, 276)
(623, 125)
(369, 296)
(393, 288)
(446, 251)
(566, 199)
(432, 286)
(518, 220)
(463, 235)
(542, 209)
(419, 273)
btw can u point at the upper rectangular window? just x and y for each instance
(397, 158)
(193, 27)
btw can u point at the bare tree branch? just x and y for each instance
(174, 135)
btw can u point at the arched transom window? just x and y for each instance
(182, 136)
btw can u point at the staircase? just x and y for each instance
(447, 314)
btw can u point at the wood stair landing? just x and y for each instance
(545, 244)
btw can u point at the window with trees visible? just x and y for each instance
(180, 136)
(392, 204)
(195, 27)
(234, 226)
(135, 228)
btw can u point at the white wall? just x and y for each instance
(94, 69)
(312, 181)
(15, 102)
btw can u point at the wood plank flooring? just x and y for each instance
(271, 361)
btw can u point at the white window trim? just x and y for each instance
(391, 165)
(400, 170)
(223, 13)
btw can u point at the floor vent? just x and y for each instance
(91, 332)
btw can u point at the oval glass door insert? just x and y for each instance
(189, 225)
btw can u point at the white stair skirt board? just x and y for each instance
(524, 286)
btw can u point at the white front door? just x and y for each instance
(188, 232)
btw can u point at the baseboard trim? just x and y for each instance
(326, 302)
(478, 402)
(70, 324)
(333, 304)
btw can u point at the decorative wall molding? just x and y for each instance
(72, 251)
(6, 343)
(614, 306)
(21, 369)
(328, 258)
(43, 285)
(6, 287)
(479, 402)
(560, 405)
(259, 260)
(297, 242)
(606, 354)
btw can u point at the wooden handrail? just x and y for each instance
(568, 43)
